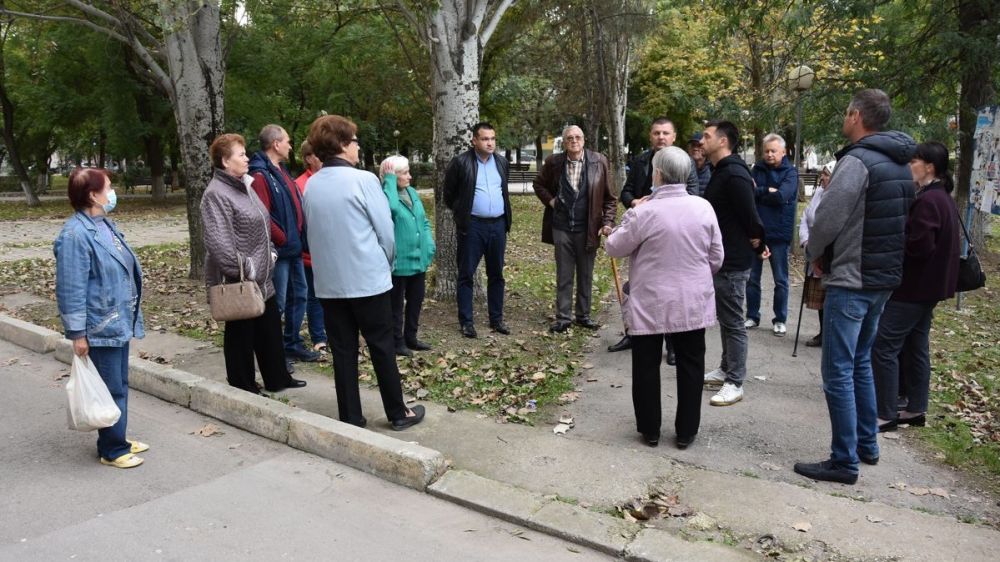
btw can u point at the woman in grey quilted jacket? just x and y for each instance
(235, 229)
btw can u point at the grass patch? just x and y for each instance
(129, 206)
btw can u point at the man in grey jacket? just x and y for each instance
(859, 232)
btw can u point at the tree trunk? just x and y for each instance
(196, 69)
(13, 153)
(455, 61)
(976, 91)
(539, 157)
(154, 156)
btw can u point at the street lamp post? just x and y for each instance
(395, 135)
(800, 79)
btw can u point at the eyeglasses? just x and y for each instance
(575, 138)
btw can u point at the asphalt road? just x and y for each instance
(229, 496)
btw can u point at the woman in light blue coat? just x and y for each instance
(98, 289)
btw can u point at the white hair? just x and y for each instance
(774, 137)
(673, 163)
(399, 163)
(567, 129)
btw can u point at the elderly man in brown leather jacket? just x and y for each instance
(575, 187)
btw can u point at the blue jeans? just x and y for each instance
(290, 291)
(484, 238)
(112, 364)
(730, 287)
(314, 312)
(779, 270)
(850, 322)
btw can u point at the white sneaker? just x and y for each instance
(780, 329)
(750, 324)
(715, 378)
(730, 394)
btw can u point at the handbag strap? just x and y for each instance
(968, 240)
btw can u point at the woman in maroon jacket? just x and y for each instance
(930, 275)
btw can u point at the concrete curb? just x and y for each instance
(24, 334)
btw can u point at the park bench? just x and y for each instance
(520, 176)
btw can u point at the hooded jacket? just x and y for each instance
(730, 191)
(776, 208)
(860, 225)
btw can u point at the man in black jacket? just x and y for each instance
(639, 184)
(730, 191)
(475, 189)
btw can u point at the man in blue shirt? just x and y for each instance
(475, 189)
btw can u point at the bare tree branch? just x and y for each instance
(491, 26)
(69, 19)
(420, 28)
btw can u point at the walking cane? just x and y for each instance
(798, 325)
(618, 289)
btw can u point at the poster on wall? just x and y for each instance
(985, 182)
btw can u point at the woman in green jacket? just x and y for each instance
(414, 252)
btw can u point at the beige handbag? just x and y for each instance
(236, 301)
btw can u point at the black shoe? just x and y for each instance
(500, 327)
(469, 331)
(816, 341)
(587, 323)
(360, 423)
(868, 460)
(622, 345)
(559, 327)
(684, 442)
(303, 355)
(888, 426)
(292, 383)
(915, 421)
(403, 351)
(289, 367)
(651, 439)
(418, 416)
(417, 345)
(671, 358)
(826, 471)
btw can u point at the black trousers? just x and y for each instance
(408, 296)
(261, 336)
(372, 317)
(689, 347)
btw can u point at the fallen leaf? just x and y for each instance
(802, 526)
(539, 376)
(587, 366)
(890, 435)
(615, 385)
(919, 491)
(592, 380)
(569, 397)
(769, 466)
(873, 518)
(561, 429)
(422, 393)
(208, 430)
(566, 419)
(760, 378)
(679, 511)
(899, 486)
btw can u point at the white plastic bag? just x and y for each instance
(89, 404)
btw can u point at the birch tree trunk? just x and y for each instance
(196, 72)
(455, 33)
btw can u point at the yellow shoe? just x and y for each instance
(137, 446)
(128, 460)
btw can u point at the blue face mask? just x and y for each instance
(112, 201)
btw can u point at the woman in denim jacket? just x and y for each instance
(98, 288)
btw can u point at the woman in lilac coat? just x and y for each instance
(674, 247)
